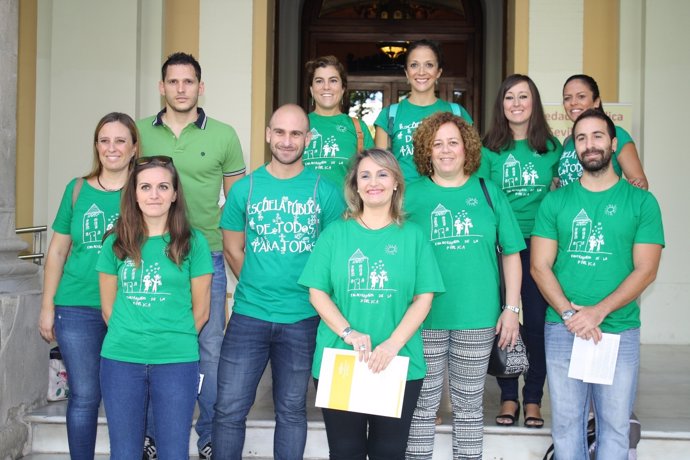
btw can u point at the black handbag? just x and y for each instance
(507, 362)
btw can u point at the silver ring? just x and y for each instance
(362, 347)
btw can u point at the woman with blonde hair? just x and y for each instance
(371, 278)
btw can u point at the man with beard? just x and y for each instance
(207, 154)
(270, 223)
(596, 246)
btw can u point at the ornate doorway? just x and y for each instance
(364, 35)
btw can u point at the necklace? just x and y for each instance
(365, 224)
(98, 179)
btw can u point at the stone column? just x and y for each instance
(23, 356)
(15, 275)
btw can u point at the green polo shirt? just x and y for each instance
(206, 151)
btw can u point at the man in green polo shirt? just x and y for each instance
(596, 246)
(208, 155)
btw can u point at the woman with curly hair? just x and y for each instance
(451, 206)
(521, 155)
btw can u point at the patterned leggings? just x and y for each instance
(466, 353)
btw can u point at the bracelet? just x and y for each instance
(512, 308)
(347, 331)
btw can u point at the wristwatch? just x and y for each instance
(512, 308)
(347, 331)
(568, 314)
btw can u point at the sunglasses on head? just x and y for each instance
(162, 160)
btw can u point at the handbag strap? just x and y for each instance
(359, 133)
(499, 248)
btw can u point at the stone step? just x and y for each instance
(661, 407)
(49, 440)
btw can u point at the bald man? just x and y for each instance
(270, 224)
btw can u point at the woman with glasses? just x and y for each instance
(71, 306)
(336, 137)
(155, 281)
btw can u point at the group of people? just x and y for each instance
(383, 245)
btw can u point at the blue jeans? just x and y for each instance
(570, 398)
(248, 345)
(210, 341)
(533, 315)
(172, 389)
(80, 332)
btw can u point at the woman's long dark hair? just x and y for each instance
(130, 230)
(500, 137)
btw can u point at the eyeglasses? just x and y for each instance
(162, 160)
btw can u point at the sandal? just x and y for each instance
(507, 419)
(533, 422)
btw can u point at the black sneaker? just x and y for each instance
(150, 451)
(206, 452)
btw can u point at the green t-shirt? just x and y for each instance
(372, 276)
(462, 229)
(94, 213)
(152, 320)
(282, 220)
(569, 167)
(596, 232)
(524, 175)
(333, 143)
(206, 151)
(407, 117)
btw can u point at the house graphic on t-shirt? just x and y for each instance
(512, 172)
(581, 229)
(358, 271)
(314, 146)
(93, 225)
(441, 222)
(131, 276)
(586, 237)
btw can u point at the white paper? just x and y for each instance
(594, 363)
(353, 387)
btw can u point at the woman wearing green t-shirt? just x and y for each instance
(581, 92)
(521, 155)
(336, 137)
(371, 278)
(155, 282)
(396, 123)
(71, 306)
(450, 205)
